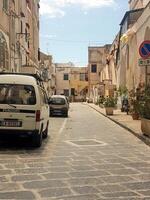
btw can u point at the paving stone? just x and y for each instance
(18, 165)
(58, 163)
(85, 190)
(81, 197)
(138, 185)
(31, 171)
(120, 194)
(56, 192)
(21, 178)
(5, 172)
(123, 171)
(89, 173)
(83, 167)
(3, 179)
(60, 169)
(84, 181)
(109, 166)
(56, 176)
(17, 195)
(9, 186)
(87, 162)
(142, 177)
(138, 164)
(117, 179)
(43, 184)
(145, 193)
(111, 188)
(144, 170)
(4, 161)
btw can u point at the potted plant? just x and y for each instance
(122, 93)
(101, 101)
(134, 105)
(144, 110)
(109, 104)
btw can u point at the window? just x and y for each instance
(5, 4)
(57, 101)
(66, 92)
(21, 26)
(17, 94)
(4, 63)
(66, 77)
(94, 68)
(73, 91)
(82, 76)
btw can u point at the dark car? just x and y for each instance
(58, 105)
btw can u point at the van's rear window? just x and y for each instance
(17, 94)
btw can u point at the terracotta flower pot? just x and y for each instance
(135, 116)
(145, 126)
(109, 110)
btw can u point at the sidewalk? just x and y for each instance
(125, 121)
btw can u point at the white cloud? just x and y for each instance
(47, 36)
(55, 8)
(50, 10)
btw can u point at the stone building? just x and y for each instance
(63, 78)
(47, 70)
(71, 81)
(79, 83)
(109, 71)
(135, 28)
(19, 35)
(96, 62)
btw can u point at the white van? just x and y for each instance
(24, 108)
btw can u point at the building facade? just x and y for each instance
(47, 69)
(71, 81)
(79, 83)
(96, 63)
(19, 35)
(63, 78)
(135, 28)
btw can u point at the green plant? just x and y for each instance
(122, 90)
(110, 102)
(144, 105)
(101, 100)
(134, 102)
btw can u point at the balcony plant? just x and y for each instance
(110, 104)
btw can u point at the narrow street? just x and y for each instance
(86, 157)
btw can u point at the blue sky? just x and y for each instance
(68, 27)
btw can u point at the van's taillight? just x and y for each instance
(38, 115)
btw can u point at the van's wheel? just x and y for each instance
(51, 114)
(37, 140)
(45, 133)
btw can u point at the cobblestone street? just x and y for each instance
(86, 157)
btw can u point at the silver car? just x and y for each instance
(58, 105)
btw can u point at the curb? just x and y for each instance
(143, 138)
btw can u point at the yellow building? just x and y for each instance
(79, 83)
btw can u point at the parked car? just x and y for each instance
(24, 106)
(58, 105)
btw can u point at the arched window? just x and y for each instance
(4, 63)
